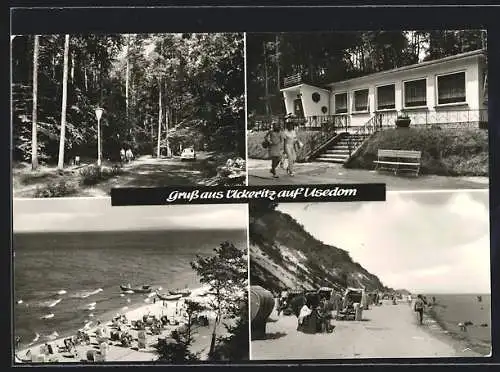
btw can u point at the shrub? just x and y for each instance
(56, 189)
(92, 175)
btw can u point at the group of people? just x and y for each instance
(283, 146)
(126, 156)
(313, 312)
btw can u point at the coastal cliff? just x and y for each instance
(284, 255)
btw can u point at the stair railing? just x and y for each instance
(335, 125)
(374, 124)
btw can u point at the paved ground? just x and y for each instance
(321, 173)
(145, 171)
(387, 331)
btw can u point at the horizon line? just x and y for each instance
(131, 230)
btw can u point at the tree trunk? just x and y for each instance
(86, 78)
(159, 122)
(278, 82)
(72, 68)
(34, 139)
(60, 163)
(127, 78)
(266, 83)
(166, 124)
(214, 338)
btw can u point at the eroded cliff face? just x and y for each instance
(283, 255)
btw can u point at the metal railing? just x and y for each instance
(326, 123)
(355, 139)
(445, 118)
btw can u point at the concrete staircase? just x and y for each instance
(339, 151)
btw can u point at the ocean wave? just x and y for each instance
(37, 337)
(19, 302)
(48, 316)
(87, 293)
(86, 326)
(52, 304)
(61, 292)
(52, 336)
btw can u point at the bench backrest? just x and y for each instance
(407, 154)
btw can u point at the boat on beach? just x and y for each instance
(182, 292)
(171, 297)
(143, 289)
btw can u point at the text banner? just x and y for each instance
(243, 194)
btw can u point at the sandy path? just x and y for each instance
(388, 331)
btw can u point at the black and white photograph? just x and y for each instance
(93, 112)
(94, 283)
(405, 108)
(405, 278)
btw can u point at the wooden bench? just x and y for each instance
(398, 160)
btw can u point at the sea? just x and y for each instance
(64, 281)
(451, 309)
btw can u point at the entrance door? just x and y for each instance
(298, 110)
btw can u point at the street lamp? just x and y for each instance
(98, 115)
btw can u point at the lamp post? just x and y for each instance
(98, 115)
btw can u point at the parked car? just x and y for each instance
(188, 154)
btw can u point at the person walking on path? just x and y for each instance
(122, 156)
(129, 155)
(419, 308)
(292, 145)
(274, 140)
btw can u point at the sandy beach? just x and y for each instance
(387, 331)
(118, 353)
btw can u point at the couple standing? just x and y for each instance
(281, 144)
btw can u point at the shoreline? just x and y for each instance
(133, 312)
(461, 343)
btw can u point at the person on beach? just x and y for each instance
(274, 141)
(419, 308)
(291, 144)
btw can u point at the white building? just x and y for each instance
(448, 90)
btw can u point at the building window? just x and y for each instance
(451, 88)
(386, 97)
(341, 103)
(361, 100)
(415, 93)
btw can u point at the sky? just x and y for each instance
(436, 242)
(96, 214)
